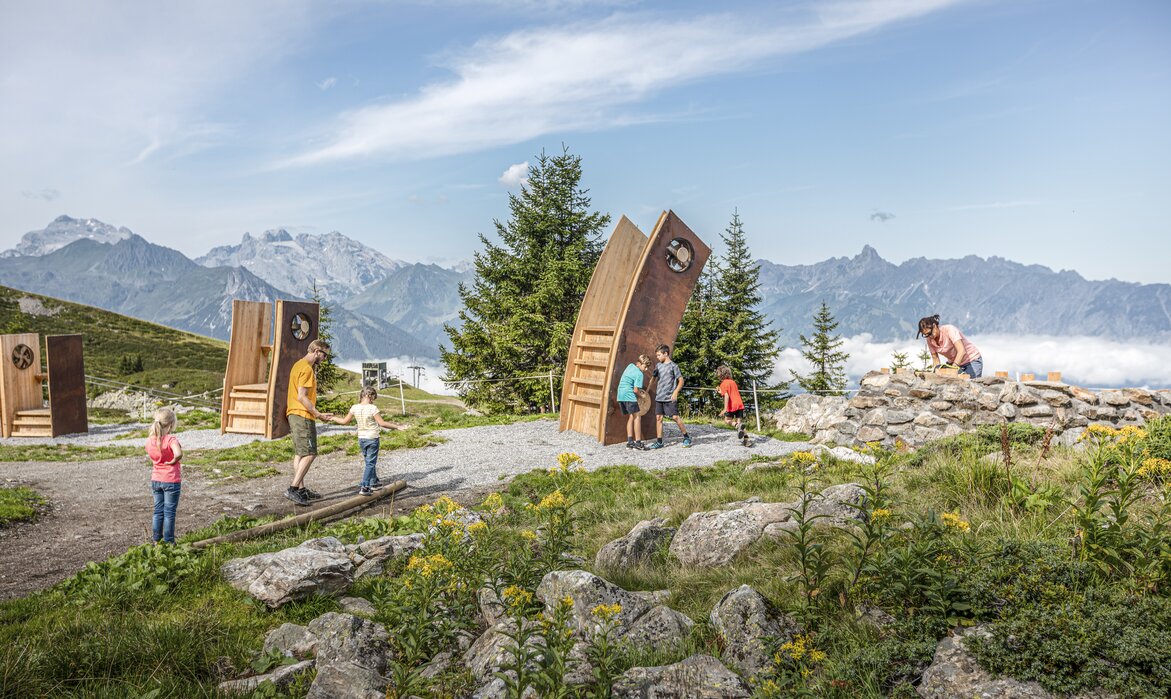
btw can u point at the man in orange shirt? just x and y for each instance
(302, 414)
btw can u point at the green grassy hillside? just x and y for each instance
(182, 361)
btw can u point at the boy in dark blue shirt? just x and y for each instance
(670, 382)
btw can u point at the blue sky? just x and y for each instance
(1029, 129)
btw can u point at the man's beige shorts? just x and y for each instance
(304, 433)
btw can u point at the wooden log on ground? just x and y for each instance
(311, 516)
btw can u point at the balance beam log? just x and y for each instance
(312, 516)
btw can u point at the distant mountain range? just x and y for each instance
(384, 308)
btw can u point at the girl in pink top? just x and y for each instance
(948, 341)
(165, 452)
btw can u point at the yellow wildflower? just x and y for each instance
(953, 521)
(880, 514)
(493, 503)
(802, 457)
(1098, 433)
(816, 656)
(606, 612)
(445, 505)
(528, 534)
(567, 601)
(427, 566)
(516, 597)
(1131, 433)
(477, 528)
(552, 500)
(567, 459)
(1155, 467)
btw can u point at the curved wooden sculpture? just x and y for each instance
(634, 302)
(22, 404)
(256, 380)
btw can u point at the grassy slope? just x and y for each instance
(189, 363)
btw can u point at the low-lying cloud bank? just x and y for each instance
(397, 366)
(1092, 362)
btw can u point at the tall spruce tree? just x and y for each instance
(829, 365)
(696, 343)
(519, 310)
(746, 343)
(328, 373)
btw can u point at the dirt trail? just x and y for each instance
(101, 508)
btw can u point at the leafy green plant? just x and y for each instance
(141, 571)
(19, 504)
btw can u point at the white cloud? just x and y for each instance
(1092, 362)
(326, 84)
(429, 380)
(537, 81)
(516, 175)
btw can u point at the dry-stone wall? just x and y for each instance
(917, 407)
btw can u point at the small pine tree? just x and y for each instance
(519, 311)
(328, 373)
(745, 343)
(829, 373)
(925, 357)
(899, 360)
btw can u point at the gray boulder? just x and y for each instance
(378, 552)
(643, 622)
(280, 678)
(697, 677)
(709, 539)
(315, 567)
(346, 680)
(954, 672)
(357, 605)
(292, 640)
(637, 547)
(750, 625)
(659, 628)
(490, 652)
(345, 638)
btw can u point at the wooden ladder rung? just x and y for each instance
(588, 382)
(595, 345)
(590, 400)
(599, 329)
(591, 363)
(246, 413)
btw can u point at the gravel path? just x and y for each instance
(100, 508)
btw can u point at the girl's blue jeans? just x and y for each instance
(166, 502)
(369, 449)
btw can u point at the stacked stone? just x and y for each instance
(917, 407)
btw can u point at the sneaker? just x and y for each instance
(295, 495)
(741, 433)
(746, 442)
(630, 444)
(366, 490)
(655, 445)
(310, 495)
(378, 484)
(640, 446)
(686, 440)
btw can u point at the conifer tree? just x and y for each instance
(745, 343)
(328, 373)
(829, 373)
(695, 345)
(519, 310)
(899, 360)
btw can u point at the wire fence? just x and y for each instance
(150, 396)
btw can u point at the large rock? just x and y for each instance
(636, 548)
(707, 539)
(954, 672)
(697, 677)
(345, 638)
(346, 680)
(661, 627)
(378, 552)
(490, 652)
(292, 640)
(812, 415)
(642, 622)
(316, 567)
(280, 678)
(750, 626)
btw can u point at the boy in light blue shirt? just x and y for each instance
(629, 386)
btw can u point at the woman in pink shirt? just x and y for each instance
(164, 451)
(947, 341)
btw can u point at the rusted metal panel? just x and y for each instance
(65, 357)
(296, 327)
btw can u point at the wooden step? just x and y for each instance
(588, 382)
(595, 363)
(599, 329)
(18, 431)
(33, 422)
(595, 345)
(233, 412)
(33, 412)
(248, 395)
(588, 400)
(251, 387)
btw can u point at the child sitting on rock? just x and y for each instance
(368, 421)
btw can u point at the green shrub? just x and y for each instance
(142, 571)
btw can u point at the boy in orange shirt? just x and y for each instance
(733, 411)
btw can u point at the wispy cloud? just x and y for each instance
(46, 194)
(881, 216)
(516, 175)
(580, 77)
(326, 84)
(1014, 204)
(1087, 361)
